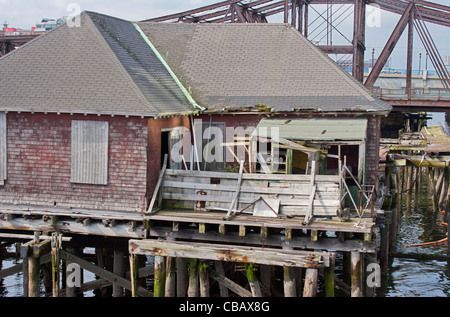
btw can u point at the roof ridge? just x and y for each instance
(127, 77)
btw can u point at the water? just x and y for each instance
(418, 223)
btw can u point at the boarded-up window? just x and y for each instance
(3, 148)
(89, 152)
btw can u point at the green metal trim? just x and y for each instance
(183, 89)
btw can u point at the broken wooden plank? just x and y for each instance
(114, 278)
(231, 253)
(232, 286)
(158, 186)
(236, 195)
(312, 195)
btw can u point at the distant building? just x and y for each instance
(45, 25)
(48, 24)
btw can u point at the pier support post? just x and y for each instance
(118, 268)
(311, 278)
(289, 278)
(56, 263)
(356, 260)
(134, 274)
(33, 277)
(193, 290)
(160, 276)
(329, 277)
(204, 279)
(182, 277)
(289, 282)
(170, 277)
(252, 279)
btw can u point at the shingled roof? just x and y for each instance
(237, 65)
(102, 67)
(116, 67)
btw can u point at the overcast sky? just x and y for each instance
(25, 13)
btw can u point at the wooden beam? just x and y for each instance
(232, 286)
(336, 49)
(232, 253)
(114, 278)
(359, 39)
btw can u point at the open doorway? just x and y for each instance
(165, 147)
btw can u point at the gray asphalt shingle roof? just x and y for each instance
(107, 67)
(102, 67)
(237, 65)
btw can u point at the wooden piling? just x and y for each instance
(160, 276)
(329, 277)
(118, 268)
(255, 288)
(218, 266)
(170, 290)
(289, 282)
(356, 260)
(182, 277)
(267, 277)
(33, 277)
(193, 290)
(134, 274)
(203, 278)
(56, 263)
(311, 279)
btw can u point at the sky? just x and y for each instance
(25, 14)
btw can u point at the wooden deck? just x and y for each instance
(189, 225)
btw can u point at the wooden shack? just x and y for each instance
(91, 117)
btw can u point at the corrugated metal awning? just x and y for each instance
(317, 129)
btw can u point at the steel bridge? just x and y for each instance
(413, 15)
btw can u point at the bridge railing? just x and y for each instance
(416, 93)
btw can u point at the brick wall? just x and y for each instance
(39, 164)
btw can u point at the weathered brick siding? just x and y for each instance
(39, 164)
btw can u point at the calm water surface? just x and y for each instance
(418, 223)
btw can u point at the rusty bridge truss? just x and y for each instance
(413, 13)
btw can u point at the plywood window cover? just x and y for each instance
(89, 163)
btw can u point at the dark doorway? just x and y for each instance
(165, 148)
